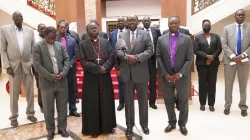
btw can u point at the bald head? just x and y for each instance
(17, 17)
(132, 22)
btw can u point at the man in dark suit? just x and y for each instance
(101, 34)
(113, 40)
(70, 44)
(51, 61)
(175, 56)
(154, 35)
(134, 72)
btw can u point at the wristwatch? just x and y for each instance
(180, 74)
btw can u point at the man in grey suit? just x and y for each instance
(51, 61)
(16, 45)
(174, 55)
(134, 71)
(235, 43)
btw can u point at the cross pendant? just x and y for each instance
(98, 60)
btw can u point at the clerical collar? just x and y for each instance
(174, 34)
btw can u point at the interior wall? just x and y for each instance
(131, 7)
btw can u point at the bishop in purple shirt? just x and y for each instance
(174, 56)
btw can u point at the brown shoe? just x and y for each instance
(14, 123)
(32, 118)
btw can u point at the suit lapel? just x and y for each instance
(178, 43)
(233, 29)
(167, 43)
(57, 50)
(25, 35)
(137, 39)
(244, 31)
(13, 32)
(126, 36)
(204, 37)
(45, 47)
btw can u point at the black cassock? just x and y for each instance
(98, 106)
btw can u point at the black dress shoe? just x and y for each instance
(14, 123)
(243, 113)
(145, 130)
(153, 106)
(77, 101)
(120, 107)
(94, 136)
(129, 131)
(226, 111)
(74, 114)
(183, 130)
(32, 118)
(211, 108)
(202, 108)
(50, 136)
(64, 133)
(169, 128)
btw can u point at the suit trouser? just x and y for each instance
(71, 77)
(39, 90)
(142, 93)
(60, 94)
(207, 83)
(152, 82)
(182, 88)
(229, 72)
(121, 90)
(15, 85)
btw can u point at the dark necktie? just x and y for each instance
(239, 40)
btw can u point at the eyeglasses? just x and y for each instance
(93, 29)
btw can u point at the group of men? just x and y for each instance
(133, 51)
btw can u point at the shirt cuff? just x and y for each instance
(232, 56)
(245, 54)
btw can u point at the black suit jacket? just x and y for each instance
(75, 36)
(181, 30)
(101, 35)
(156, 33)
(202, 49)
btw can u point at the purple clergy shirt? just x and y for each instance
(172, 47)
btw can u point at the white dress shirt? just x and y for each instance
(135, 31)
(53, 58)
(19, 34)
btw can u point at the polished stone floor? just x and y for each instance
(201, 125)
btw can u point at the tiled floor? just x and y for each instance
(201, 125)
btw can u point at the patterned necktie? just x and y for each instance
(239, 40)
(133, 40)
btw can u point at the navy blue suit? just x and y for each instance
(113, 40)
(71, 47)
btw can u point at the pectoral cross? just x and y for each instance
(98, 59)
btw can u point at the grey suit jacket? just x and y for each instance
(10, 52)
(43, 63)
(183, 58)
(229, 41)
(143, 49)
